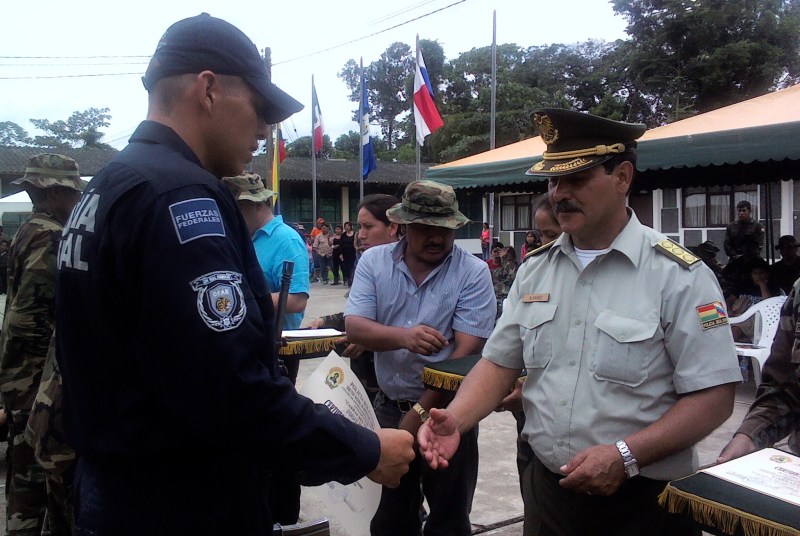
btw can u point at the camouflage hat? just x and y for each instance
(46, 170)
(248, 187)
(577, 141)
(428, 203)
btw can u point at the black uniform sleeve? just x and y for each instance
(202, 347)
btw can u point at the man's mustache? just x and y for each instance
(566, 206)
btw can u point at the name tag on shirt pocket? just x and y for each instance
(621, 351)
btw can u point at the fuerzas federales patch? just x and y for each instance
(196, 218)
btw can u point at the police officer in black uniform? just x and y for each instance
(165, 323)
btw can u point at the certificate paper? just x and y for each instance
(769, 471)
(335, 385)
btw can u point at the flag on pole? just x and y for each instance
(316, 119)
(426, 117)
(277, 157)
(369, 163)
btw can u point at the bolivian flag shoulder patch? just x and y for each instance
(712, 315)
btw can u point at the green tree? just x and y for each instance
(13, 135)
(704, 54)
(82, 129)
(347, 145)
(301, 147)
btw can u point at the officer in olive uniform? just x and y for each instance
(624, 335)
(54, 185)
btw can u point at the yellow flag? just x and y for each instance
(276, 162)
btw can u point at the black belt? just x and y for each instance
(403, 405)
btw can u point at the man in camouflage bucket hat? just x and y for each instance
(420, 301)
(428, 203)
(54, 186)
(275, 242)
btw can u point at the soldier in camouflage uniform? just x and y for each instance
(775, 413)
(54, 186)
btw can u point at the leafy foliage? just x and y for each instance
(81, 129)
(683, 57)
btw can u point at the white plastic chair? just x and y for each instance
(767, 316)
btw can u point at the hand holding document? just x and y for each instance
(769, 471)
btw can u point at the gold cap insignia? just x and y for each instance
(547, 131)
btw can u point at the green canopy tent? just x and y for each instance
(755, 141)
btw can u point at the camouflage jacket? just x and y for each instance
(29, 315)
(775, 412)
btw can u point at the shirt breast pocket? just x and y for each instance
(535, 322)
(623, 345)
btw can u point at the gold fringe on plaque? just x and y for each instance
(723, 517)
(318, 345)
(441, 380)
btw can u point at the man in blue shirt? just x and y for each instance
(420, 301)
(274, 242)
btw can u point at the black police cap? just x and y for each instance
(203, 43)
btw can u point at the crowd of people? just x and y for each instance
(138, 360)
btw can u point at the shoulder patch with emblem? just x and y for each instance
(538, 251)
(677, 253)
(220, 300)
(712, 315)
(196, 218)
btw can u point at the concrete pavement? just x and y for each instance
(497, 508)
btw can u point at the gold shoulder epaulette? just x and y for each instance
(677, 253)
(537, 251)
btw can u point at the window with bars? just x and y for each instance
(715, 206)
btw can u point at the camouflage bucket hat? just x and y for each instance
(248, 187)
(428, 203)
(46, 170)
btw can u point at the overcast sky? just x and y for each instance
(88, 37)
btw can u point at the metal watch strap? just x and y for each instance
(631, 466)
(422, 412)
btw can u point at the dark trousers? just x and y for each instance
(348, 266)
(337, 268)
(283, 487)
(632, 511)
(449, 492)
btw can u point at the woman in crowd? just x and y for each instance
(375, 229)
(336, 241)
(533, 240)
(485, 239)
(347, 248)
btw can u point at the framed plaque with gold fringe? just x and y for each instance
(721, 506)
(447, 375)
(311, 343)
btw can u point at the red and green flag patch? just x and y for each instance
(712, 315)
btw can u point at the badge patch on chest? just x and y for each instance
(712, 315)
(196, 218)
(220, 300)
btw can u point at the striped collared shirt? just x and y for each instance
(456, 296)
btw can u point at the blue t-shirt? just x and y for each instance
(277, 242)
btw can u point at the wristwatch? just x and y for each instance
(631, 466)
(422, 412)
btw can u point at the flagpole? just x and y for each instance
(313, 162)
(361, 133)
(416, 144)
(493, 113)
